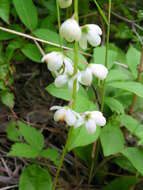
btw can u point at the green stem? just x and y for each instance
(59, 24)
(104, 85)
(65, 149)
(106, 56)
(62, 158)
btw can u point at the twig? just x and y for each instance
(137, 34)
(127, 20)
(39, 47)
(39, 40)
(140, 70)
(9, 172)
(9, 187)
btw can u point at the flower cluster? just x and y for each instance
(90, 119)
(63, 69)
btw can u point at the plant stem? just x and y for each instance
(106, 55)
(103, 92)
(62, 159)
(73, 102)
(140, 70)
(59, 24)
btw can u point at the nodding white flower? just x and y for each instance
(61, 80)
(93, 119)
(56, 60)
(64, 3)
(99, 70)
(90, 34)
(86, 77)
(65, 114)
(70, 30)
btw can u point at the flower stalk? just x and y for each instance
(106, 55)
(103, 91)
(73, 100)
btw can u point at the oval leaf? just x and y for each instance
(133, 87)
(35, 178)
(27, 13)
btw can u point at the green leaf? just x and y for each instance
(131, 124)
(7, 99)
(99, 56)
(112, 140)
(12, 131)
(135, 156)
(35, 178)
(23, 150)
(121, 183)
(27, 13)
(47, 34)
(2, 85)
(32, 136)
(65, 94)
(4, 10)
(118, 75)
(11, 48)
(80, 137)
(133, 59)
(51, 154)
(114, 105)
(124, 163)
(32, 52)
(133, 87)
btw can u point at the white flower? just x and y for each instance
(93, 119)
(64, 3)
(65, 114)
(98, 117)
(70, 30)
(86, 77)
(90, 33)
(99, 70)
(61, 80)
(56, 60)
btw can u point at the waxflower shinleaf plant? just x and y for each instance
(67, 73)
(63, 67)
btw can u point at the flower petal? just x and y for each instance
(99, 118)
(86, 77)
(68, 66)
(55, 108)
(99, 70)
(60, 115)
(70, 117)
(70, 30)
(60, 81)
(90, 126)
(83, 41)
(94, 39)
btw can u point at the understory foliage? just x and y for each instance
(92, 53)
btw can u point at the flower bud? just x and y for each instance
(70, 30)
(64, 3)
(99, 70)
